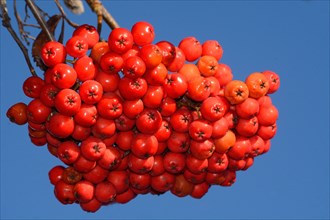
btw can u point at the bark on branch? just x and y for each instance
(39, 19)
(97, 6)
(6, 23)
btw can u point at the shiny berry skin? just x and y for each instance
(273, 79)
(37, 112)
(92, 148)
(178, 61)
(68, 152)
(134, 67)
(55, 174)
(67, 102)
(149, 121)
(133, 108)
(17, 113)
(61, 126)
(85, 68)
(53, 53)
(143, 33)
(84, 191)
(63, 76)
(120, 40)
(32, 86)
(168, 51)
(175, 85)
(144, 145)
(132, 89)
(86, 116)
(76, 46)
(151, 55)
(109, 82)
(199, 88)
(89, 33)
(91, 92)
(191, 48)
(111, 63)
(48, 94)
(212, 48)
(64, 192)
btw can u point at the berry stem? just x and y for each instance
(60, 8)
(189, 103)
(76, 86)
(98, 8)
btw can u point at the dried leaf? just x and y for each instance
(42, 38)
(61, 37)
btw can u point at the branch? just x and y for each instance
(97, 6)
(60, 8)
(40, 19)
(6, 23)
(24, 35)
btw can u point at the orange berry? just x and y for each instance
(236, 92)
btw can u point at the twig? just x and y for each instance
(41, 21)
(31, 37)
(105, 14)
(59, 6)
(23, 33)
(42, 12)
(98, 10)
(31, 25)
(6, 23)
(27, 16)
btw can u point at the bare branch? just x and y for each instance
(36, 13)
(23, 33)
(98, 10)
(32, 25)
(46, 29)
(31, 37)
(27, 16)
(6, 23)
(59, 6)
(99, 21)
(96, 5)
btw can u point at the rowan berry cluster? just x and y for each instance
(128, 116)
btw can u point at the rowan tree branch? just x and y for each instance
(6, 23)
(60, 8)
(40, 20)
(97, 6)
(98, 10)
(24, 34)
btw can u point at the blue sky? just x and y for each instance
(290, 181)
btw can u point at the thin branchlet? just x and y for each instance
(107, 17)
(36, 13)
(7, 24)
(60, 8)
(24, 34)
(39, 15)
